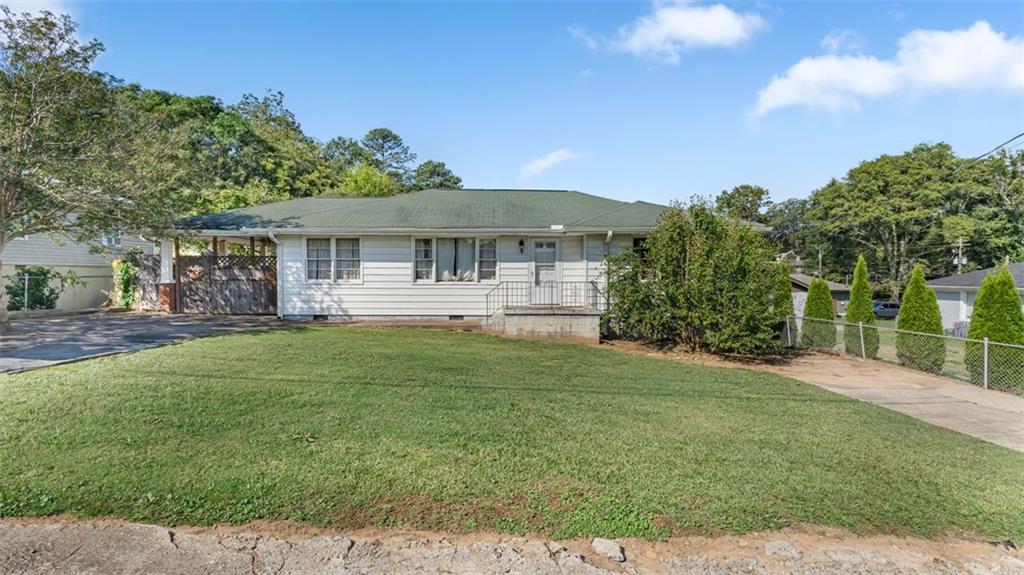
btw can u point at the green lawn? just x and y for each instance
(441, 430)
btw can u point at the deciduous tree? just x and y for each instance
(75, 159)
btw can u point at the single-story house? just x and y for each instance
(801, 283)
(956, 293)
(524, 261)
(64, 255)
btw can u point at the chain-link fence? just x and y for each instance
(985, 363)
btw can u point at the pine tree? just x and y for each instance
(920, 314)
(819, 328)
(998, 317)
(860, 311)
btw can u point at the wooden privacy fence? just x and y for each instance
(227, 284)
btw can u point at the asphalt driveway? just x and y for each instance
(34, 343)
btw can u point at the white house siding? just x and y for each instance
(950, 307)
(69, 256)
(387, 289)
(597, 250)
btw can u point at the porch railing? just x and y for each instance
(546, 295)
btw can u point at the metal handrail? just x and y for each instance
(545, 295)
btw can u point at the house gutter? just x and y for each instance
(410, 231)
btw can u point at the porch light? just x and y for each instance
(522, 245)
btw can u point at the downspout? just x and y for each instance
(278, 253)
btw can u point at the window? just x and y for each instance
(424, 259)
(346, 259)
(318, 259)
(456, 259)
(112, 239)
(640, 247)
(488, 259)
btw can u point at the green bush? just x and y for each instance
(126, 279)
(42, 293)
(818, 334)
(998, 317)
(782, 303)
(707, 282)
(920, 313)
(860, 311)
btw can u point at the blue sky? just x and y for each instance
(627, 100)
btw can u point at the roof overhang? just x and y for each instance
(409, 231)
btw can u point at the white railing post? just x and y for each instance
(863, 352)
(985, 363)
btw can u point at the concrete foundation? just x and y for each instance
(560, 323)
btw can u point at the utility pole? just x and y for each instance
(959, 256)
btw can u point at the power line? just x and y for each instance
(990, 152)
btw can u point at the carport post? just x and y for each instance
(863, 352)
(985, 364)
(24, 302)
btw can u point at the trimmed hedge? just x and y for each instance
(818, 334)
(998, 317)
(920, 313)
(860, 310)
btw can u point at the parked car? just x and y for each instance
(886, 309)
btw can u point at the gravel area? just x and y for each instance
(110, 547)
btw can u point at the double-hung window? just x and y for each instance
(423, 255)
(318, 258)
(347, 263)
(488, 261)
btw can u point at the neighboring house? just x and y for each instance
(801, 283)
(956, 293)
(471, 255)
(65, 255)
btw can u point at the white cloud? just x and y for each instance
(975, 58)
(672, 27)
(842, 41)
(544, 163)
(37, 6)
(584, 37)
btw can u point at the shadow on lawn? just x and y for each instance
(608, 390)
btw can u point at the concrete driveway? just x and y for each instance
(34, 343)
(994, 416)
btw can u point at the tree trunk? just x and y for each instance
(3, 291)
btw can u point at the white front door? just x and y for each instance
(546, 287)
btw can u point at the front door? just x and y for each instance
(546, 288)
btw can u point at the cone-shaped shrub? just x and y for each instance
(920, 313)
(782, 305)
(860, 311)
(998, 317)
(819, 329)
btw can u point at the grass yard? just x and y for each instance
(353, 427)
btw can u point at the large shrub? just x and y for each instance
(782, 303)
(44, 288)
(919, 313)
(707, 282)
(998, 317)
(819, 329)
(860, 311)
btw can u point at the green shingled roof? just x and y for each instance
(440, 210)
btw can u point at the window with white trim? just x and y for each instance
(318, 258)
(423, 257)
(456, 259)
(347, 262)
(488, 260)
